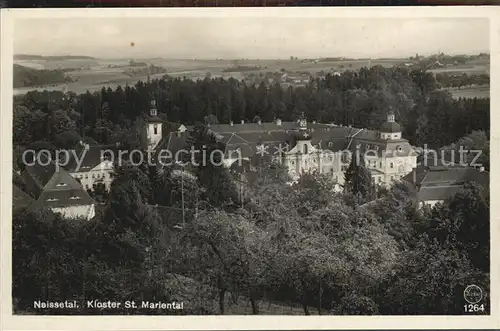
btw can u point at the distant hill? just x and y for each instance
(28, 77)
(52, 58)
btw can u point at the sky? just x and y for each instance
(254, 38)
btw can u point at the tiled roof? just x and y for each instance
(57, 187)
(390, 127)
(442, 183)
(91, 157)
(253, 127)
(20, 198)
(438, 193)
(40, 172)
(326, 136)
(65, 198)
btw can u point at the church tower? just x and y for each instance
(154, 126)
(390, 129)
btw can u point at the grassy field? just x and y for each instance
(471, 92)
(468, 69)
(93, 74)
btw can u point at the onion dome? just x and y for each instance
(390, 126)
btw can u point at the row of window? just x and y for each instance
(94, 175)
(75, 197)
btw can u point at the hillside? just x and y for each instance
(24, 77)
(24, 57)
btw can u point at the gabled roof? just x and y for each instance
(442, 183)
(91, 157)
(41, 171)
(57, 187)
(65, 198)
(438, 193)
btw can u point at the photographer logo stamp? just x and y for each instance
(473, 294)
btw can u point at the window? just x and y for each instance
(305, 148)
(52, 199)
(379, 179)
(344, 168)
(331, 171)
(392, 178)
(155, 128)
(330, 144)
(62, 184)
(86, 176)
(75, 198)
(86, 186)
(380, 164)
(392, 165)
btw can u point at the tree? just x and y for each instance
(355, 304)
(443, 273)
(126, 172)
(463, 223)
(358, 179)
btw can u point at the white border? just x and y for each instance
(10, 322)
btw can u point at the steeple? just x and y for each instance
(303, 122)
(391, 117)
(390, 129)
(153, 112)
(154, 126)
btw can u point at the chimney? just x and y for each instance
(481, 169)
(259, 122)
(242, 122)
(278, 121)
(231, 123)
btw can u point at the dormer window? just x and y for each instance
(75, 197)
(52, 199)
(62, 184)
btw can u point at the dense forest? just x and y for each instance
(203, 237)
(28, 77)
(362, 99)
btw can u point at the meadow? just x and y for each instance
(471, 92)
(93, 74)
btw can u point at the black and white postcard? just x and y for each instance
(303, 167)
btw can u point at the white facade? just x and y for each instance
(85, 211)
(154, 134)
(430, 203)
(390, 135)
(102, 173)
